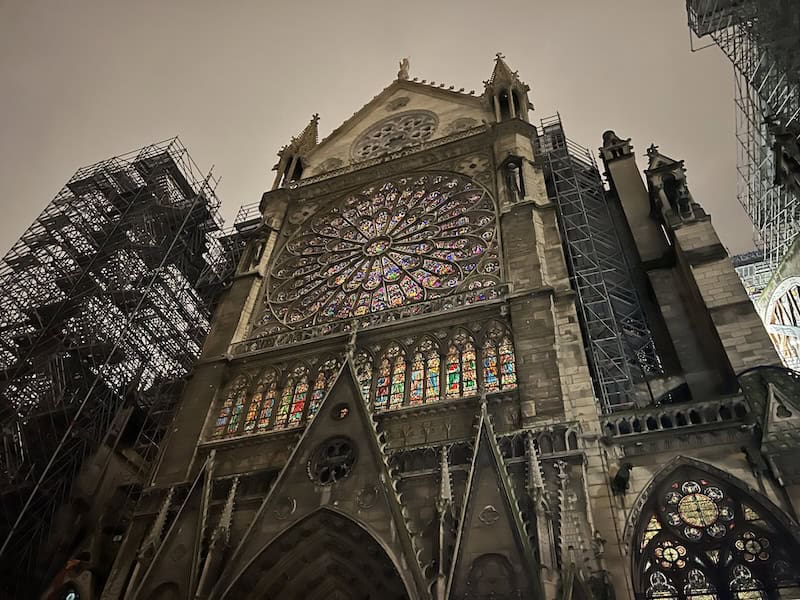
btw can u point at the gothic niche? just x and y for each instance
(395, 133)
(701, 537)
(411, 239)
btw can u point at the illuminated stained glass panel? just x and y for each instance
(491, 376)
(705, 540)
(390, 385)
(262, 403)
(406, 240)
(293, 399)
(363, 364)
(325, 377)
(228, 418)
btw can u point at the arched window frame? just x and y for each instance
(323, 379)
(666, 561)
(294, 397)
(461, 361)
(229, 416)
(261, 404)
(425, 373)
(498, 344)
(390, 378)
(365, 373)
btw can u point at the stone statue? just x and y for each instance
(404, 67)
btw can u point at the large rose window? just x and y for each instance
(407, 240)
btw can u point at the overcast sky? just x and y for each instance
(83, 80)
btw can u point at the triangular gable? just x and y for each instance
(491, 529)
(367, 495)
(447, 104)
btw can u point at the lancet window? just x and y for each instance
(701, 537)
(232, 407)
(325, 376)
(444, 370)
(267, 405)
(499, 364)
(363, 363)
(462, 378)
(390, 387)
(262, 403)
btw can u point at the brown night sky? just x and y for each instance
(84, 80)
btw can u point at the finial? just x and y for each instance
(652, 150)
(499, 56)
(405, 65)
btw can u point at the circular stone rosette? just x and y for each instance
(407, 240)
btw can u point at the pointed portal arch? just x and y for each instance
(701, 533)
(325, 555)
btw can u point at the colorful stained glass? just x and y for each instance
(382, 386)
(453, 372)
(416, 391)
(418, 233)
(398, 382)
(293, 399)
(508, 367)
(228, 418)
(469, 376)
(261, 404)
(363, 365)
(653, 527)
(491, 380)
(432, 366)
(324, 379)
(701, 538)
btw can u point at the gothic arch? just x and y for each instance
(696, 531)
(324, 552)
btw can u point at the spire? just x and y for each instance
(290, 157)
(507, 92)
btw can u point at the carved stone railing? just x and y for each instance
(368, 321)
(387, 157)
(675, 416)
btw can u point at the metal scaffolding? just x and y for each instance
(761, 39)
(619, 343)
(104, 305)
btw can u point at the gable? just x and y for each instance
(439, 112)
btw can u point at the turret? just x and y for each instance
(508, 95)
(291, 156)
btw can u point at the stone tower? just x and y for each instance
(426, 382)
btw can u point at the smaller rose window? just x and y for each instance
(698, 508)
(753, 546)
(671, 555)
(395, 133)
(332, 461)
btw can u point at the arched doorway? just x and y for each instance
(702, 534)
(326, 555)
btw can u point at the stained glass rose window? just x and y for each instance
(406, 240)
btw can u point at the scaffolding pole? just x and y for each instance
(619, 344)
(102, 314)
(760, 38)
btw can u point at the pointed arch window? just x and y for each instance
(703, 538)
(390, 387)
(228, 418)
(424, 384)
(323, 381)
(363, 365)
(259, 412)
(293, 399)
(462, 377)
(499, 364)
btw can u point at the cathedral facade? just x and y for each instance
(423, 383)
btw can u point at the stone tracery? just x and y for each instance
(404, 241)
